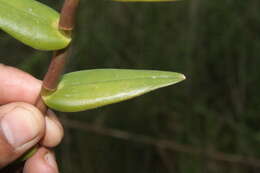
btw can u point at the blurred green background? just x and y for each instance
(206, 124)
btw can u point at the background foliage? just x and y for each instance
(182, 128)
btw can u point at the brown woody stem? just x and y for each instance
(68, 12)
(55, 70)
(58, 62)
(52, 77)
(41, 105)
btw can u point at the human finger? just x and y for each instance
(21, 127)
(53, 130)
(17, 85)
(43, 161)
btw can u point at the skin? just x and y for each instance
(18, 93)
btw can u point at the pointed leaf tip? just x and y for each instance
(90, 89)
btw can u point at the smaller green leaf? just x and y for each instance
(32, 23)
(90, 89)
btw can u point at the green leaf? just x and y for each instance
(32, 23)
(90, 89)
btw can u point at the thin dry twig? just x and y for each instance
(161, 143)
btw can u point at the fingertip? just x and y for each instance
(43, 161)
(21, 127)
(53, 131)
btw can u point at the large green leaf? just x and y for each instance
(89, 89)
(32, 23)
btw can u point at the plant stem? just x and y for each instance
(68, 12)
(52, 77)
(55, 70)
(58, 62)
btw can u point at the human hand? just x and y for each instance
(22, 125)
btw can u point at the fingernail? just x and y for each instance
(51, 161)
(19, 126)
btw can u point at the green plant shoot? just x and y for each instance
(32, 23)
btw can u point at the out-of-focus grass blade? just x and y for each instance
(90, 89)
(32, 23)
